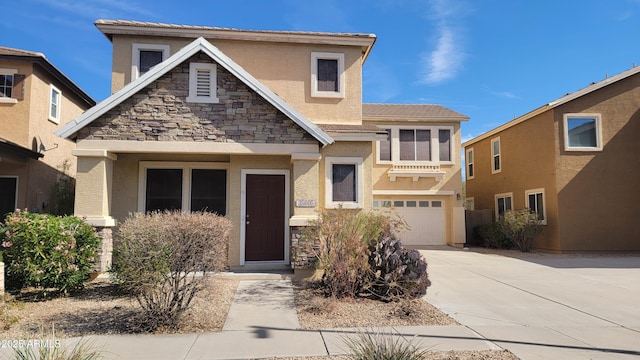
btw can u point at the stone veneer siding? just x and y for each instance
(301, 255)
(160, 112)
(105, 250)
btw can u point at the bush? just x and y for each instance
(521, 227)
(398, 273)
(490, 235)
(162, 258)
(379, 346)
(360, 255)
(48, 251)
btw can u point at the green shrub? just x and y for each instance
(162, 258)
(521, 227)
(398, 273)
(375, 345)
(490, 235)
(48, 251)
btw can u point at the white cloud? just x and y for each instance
(504, 94)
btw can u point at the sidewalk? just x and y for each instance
(262, 323)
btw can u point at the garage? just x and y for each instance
(425, 217)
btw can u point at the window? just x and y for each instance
(146, 56)
(344, 182)
(470, 169)
(202, 83)
(503, 204)
(6, 85)
(582, 132)
(327, 74)
(55, 102)
(179, 186)
(535, 202)
(384, 147)
(420, 144)
(496, 165)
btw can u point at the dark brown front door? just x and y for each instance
(264, 225)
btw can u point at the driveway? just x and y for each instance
(542, 306)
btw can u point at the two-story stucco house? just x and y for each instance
(575, 161)
(35, 99)
(264, 127)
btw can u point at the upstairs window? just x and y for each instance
(327, 74)
(582, 132)
(415, 145)
(444, 143)
(202, 83)
(145, 57)
(421, 144)
(496, 159)
(6, 85)
(55, 102)
(470, 167)
(384, 147)
(11, 86)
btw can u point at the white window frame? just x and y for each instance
(358, 162)
(435, 145)
(315, 56)
(494, 155)
(499, 196)
(135, 56)
(186, 168)
(598, 121)
(193, 83)
(544, 202)
(470, 163)
(12, 99)
(55, 118)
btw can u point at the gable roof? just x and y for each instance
(12, 54)
(416, 112)
(555, 103)
(200, 44)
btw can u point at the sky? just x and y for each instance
(491, 60)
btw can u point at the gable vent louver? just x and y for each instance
(203, 82)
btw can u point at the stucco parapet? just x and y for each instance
(302, 220)
(100, 221)
(100, 153)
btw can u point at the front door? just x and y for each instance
(265, 217)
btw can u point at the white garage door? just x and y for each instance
(425, 217)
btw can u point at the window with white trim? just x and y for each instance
(146, 56)
(535, 202)
(344, 182)
(183, 186)
(582, 132)
(327, 74)
(504, 203)
(420, 144)
(469, 161)
(6, 82)
(55, 103)
(202, 83)
(496, 157)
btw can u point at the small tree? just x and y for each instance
(63, 191)
(162, 259)
(521, 227)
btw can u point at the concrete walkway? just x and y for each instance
(543, 306)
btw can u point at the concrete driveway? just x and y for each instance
(542, 306)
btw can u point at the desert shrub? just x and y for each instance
(521, 227)
(490, 235)
(51, 348)
(380, 346)
(47, 251)
(397, 273)
(162, 259)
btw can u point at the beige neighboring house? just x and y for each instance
(35, 99)
(575, 161)
(264, 127)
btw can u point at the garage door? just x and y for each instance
(425, 217)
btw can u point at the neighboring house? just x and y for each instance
(35, 99)
(575, 161)
(264, 127)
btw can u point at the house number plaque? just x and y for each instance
(305, 203)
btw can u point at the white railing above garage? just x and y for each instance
(415, 171)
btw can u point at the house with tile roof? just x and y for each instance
(264, 127)
(36, 98)
(574, 161)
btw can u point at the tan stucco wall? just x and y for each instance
(597, 193)
(288, 72)
(527, 155)
(14, 118)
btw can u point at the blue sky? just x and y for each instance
(491, 60)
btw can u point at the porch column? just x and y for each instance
(306, 202)
(93, 198)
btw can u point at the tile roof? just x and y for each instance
(19, 52)
(414, 111)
